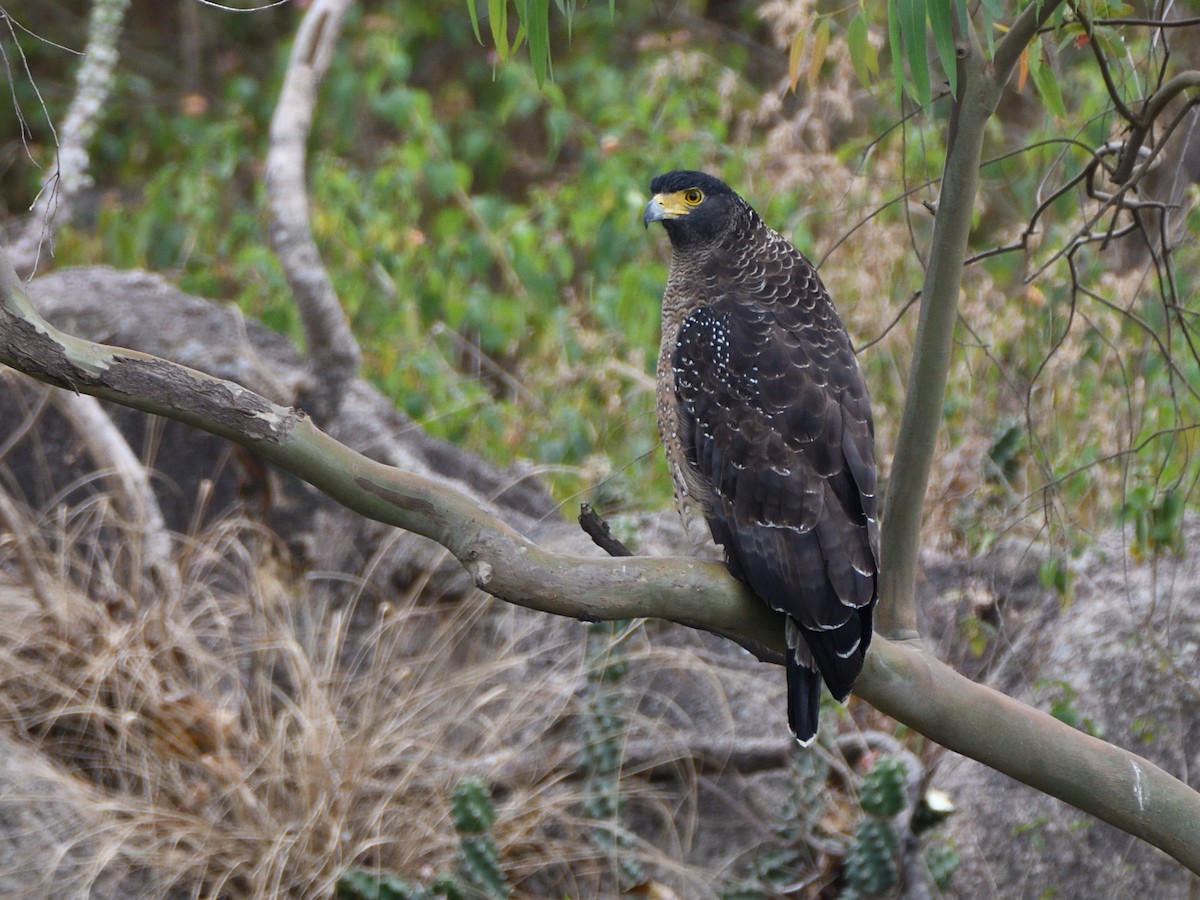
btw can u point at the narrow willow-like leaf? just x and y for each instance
(498, 20)
(862, 55)
(913, 16)
(567, 8)
(538, 28)
(794, 54)
(1044, 79)
(820, 48)
(992, 12)
(1031, 61)
(896, 46)
(474, 20)
(522, 23)
(941, 20)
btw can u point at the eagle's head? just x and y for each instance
(695, 208)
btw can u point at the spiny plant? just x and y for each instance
(871, 865)
(477, 874)
(603, 727)
(478, 859)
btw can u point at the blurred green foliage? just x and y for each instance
(483, 234)
(483, 231)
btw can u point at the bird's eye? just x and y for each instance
(693, 197)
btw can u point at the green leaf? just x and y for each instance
(820, 48)
(498, 20)
(992, 11)
(906, 30)
(941, 18)
(1044, 80)
(519, 36)
(862, 54)
(567, 8)
(912, 30)
(895, 45)
(474, 20)
(537, 30)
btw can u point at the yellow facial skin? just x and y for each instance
(675, 205)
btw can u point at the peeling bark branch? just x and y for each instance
(333, 353)
(900, 678)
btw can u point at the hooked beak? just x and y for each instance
(655, 211)
(665, 206)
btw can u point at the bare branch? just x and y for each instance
(1102, 64)
(131, 489)
(93, 81)
(333, 353)
(1149, 23)
(1142, 124)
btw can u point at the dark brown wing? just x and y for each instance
(775, 419)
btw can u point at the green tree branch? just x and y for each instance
(980, 86)
(900, 678)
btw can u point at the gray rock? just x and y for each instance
(1121, 662)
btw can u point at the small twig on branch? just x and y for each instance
(597, 529)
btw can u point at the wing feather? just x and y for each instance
(776, 425)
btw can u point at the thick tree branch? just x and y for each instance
(333, 353)
(900, 678)
(980, 87)
(922, 416)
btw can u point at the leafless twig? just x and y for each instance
(70, 175)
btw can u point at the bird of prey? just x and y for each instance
(767, 426)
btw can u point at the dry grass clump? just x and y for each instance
(236, 739)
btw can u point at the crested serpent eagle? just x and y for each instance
(767, 426)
